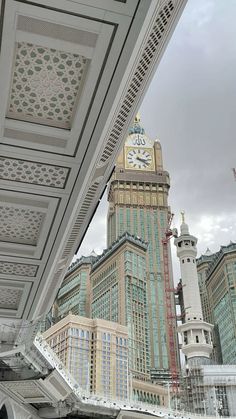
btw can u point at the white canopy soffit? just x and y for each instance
(72, 75)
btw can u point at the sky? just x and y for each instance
(190, 107)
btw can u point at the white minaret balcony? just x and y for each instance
(195, 333)
(196, 338)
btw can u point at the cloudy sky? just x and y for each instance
(191, 108)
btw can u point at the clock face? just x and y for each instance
(139, 158)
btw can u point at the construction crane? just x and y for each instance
(171, 317)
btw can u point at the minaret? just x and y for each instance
(196, 333)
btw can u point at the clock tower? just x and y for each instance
(138, 204)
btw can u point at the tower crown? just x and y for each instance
(136, 128)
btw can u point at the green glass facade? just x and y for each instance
(225, 313)
(105, 302)
(119, 294)
(149, 223)
(73, 296)
(217, 279)
(136, 312)
(225, 318)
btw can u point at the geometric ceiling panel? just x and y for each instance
(72, 75)
(10, 298)
(33, 172)
(18, 269)
(13, 297)
(20, 225)
(26, 391)
(45, 85)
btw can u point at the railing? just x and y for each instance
(87, 398)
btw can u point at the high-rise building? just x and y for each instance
(119, 294)
(220, 280)
(138, 204)
(95, 352)
(202, 267)
(74, 294)
(203, 263)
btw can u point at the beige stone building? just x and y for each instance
(119, 294)
(149, 392)
(95, 352)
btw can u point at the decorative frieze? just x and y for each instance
(20, 225)
(45, 84)
(18, 269)
(32, 172)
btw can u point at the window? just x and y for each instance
(3, 412)
(197, 339)
(188, 260)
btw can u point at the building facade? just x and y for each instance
(150, 393)
(203, 263)
(138, 204)
(202, 267)
(210, 390)
(74, 294)
(221, 289)
(119, 294)
(95, 352)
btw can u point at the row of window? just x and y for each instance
(188, 260)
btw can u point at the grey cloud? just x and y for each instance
(191, 107)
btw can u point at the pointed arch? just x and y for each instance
(6, 410)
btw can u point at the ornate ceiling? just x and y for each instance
(73, 74)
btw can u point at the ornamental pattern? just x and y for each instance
(19, 269)
(20, 225)
(26, 389)
(150, 51)
(32, 172)
(10, 298)
(45, 84)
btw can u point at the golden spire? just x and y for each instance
(182, 215)
(137, 117)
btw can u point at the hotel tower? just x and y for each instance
(138, 204)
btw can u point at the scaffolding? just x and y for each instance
(170, 315)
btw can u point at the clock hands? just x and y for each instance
(142, 159)
(139, 158)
